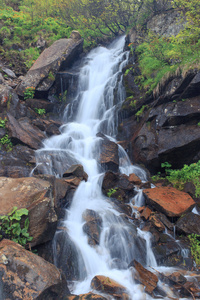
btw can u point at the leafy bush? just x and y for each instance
(189, 173)
(111, 192)
(6, 141)
(3, 123)
(10, 226)
(40, 111)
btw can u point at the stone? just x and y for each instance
(146, 213)
(169, 201)
(109, 286)
(40, 104)
(188, 224)
(35, 195)
(108, 156)
(77, 171)
(144, 276)
(9, 72)
(134, 179)
(88, 296)
(60, 55)
(8, 99)
(25, 275)
(23, 131)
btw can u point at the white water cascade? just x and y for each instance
(120, 241)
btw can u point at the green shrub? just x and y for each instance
(40, 111)
(11, 227)
(111, 192)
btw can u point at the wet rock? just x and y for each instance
(27, 276)
(9, 72)
(119, 186)
(144, 276)
(169, 201)
(108, 157)
(134, 179)
(35, 195)
(177, 277)
(109, 286)
(57, 57)
(157, 222)
(92, 227)
(22, 131)
(76, 170)
(145, 214)
(88, 296)
(51, 127)
(68, 257)
(188, 224)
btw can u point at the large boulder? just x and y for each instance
(92, 227)
(37, 196)
(57, 57)
(24, 275)
(168, 200)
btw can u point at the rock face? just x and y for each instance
(89, 296)
(35, 195)
(170, 201)
(25, 275)
(53, 59)
(92, 227)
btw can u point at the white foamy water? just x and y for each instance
(120, 241)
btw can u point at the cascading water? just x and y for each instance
(120, 241)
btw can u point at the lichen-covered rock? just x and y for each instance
(25, 276)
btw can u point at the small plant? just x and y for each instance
(3, 123)
(51, 77)
(198, 124)
(10, 226)
(5, 140)
(40, 111)
(167, 167)
(133, 103)
(111, 192)
(195, 247)
(140, 112)
(29, 93)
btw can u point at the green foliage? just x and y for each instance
(5, 140)
(51, 76)
(195, 247)
(140, 112)
(111, 192)
(133, 103)
(3, 123)
(29, 92)
(30, 55)
(40, 111)
(10, 226)
(189, 173)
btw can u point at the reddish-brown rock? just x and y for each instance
(147, 278)
(36, 195)
(134, 179)
(26, 276)
(145, 214)
(109, 286)
(168, 200)
(88, 296)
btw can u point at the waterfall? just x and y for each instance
(120, 241)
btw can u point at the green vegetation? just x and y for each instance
(140, 112)
(6, 142)
(111, 192)
(160, 57)
(29, 93)
(3, 123)
(11, 226)
(189, 173)
(195, 247)
(40, 111)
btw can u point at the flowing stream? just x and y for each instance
(94, 110)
